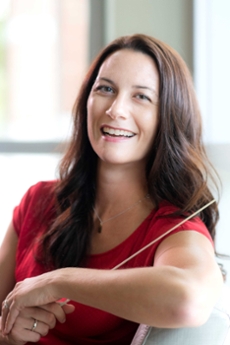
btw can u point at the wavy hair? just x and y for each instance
(178, 169)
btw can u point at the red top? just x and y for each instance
(88, 325)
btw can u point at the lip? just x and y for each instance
(116, 139)
(119, 128)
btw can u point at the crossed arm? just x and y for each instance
(179, 291)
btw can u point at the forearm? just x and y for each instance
(159, 296)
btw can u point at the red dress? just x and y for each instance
(86, 325)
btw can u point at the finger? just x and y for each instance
(21, 335)
(56, 310)
(68, 308)
(11, 316)
(46, 317)
(27, 330)
(39, 327)
(30, 325)
(9, 339)
(4, 313)
(40, 314)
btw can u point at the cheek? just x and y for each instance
(151, 124)
(89, 122)
(92, 126)
(90, 114)
(151, 136)
(93, 109)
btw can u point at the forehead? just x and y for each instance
(131, 65)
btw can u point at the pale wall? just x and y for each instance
(169, 20)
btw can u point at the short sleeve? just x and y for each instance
(32, 204)
(19, 211)
(164, 223)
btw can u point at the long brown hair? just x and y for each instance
(177, 171)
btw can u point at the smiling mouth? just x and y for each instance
(117, 132)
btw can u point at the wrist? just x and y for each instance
(62, 282)
(57, 283)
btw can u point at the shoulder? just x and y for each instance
(42, 187)
(37, 202)
(165, 220)
(39, 191)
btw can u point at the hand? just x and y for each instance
(23, 332)
(34, 322)
(32, 292)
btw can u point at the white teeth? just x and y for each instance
(117, 132)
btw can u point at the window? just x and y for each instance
(43, 58)
(44, 55)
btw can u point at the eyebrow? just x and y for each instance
(134, 86)
(144, 87)
(106, 79)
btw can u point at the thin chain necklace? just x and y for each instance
(99, 230)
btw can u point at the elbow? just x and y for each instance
(197, 302)
(182, 310)
(191, 310)
(190, 316)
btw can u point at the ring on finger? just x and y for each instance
(5, 304)
(34, 325)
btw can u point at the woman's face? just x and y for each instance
(123, 108)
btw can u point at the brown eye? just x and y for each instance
(143, 97)
(105, 89)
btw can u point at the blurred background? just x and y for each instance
(46, 47)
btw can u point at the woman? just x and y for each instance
(135, 168)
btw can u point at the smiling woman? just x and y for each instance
(137, 166)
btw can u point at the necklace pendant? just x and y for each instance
(99, 228)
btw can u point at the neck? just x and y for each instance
(118, 187)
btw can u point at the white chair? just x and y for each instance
(216, 331)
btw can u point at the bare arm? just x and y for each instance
(46, 315)
(7, 262)
(179, 291)
(7, 266)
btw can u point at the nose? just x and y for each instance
(118, 109)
